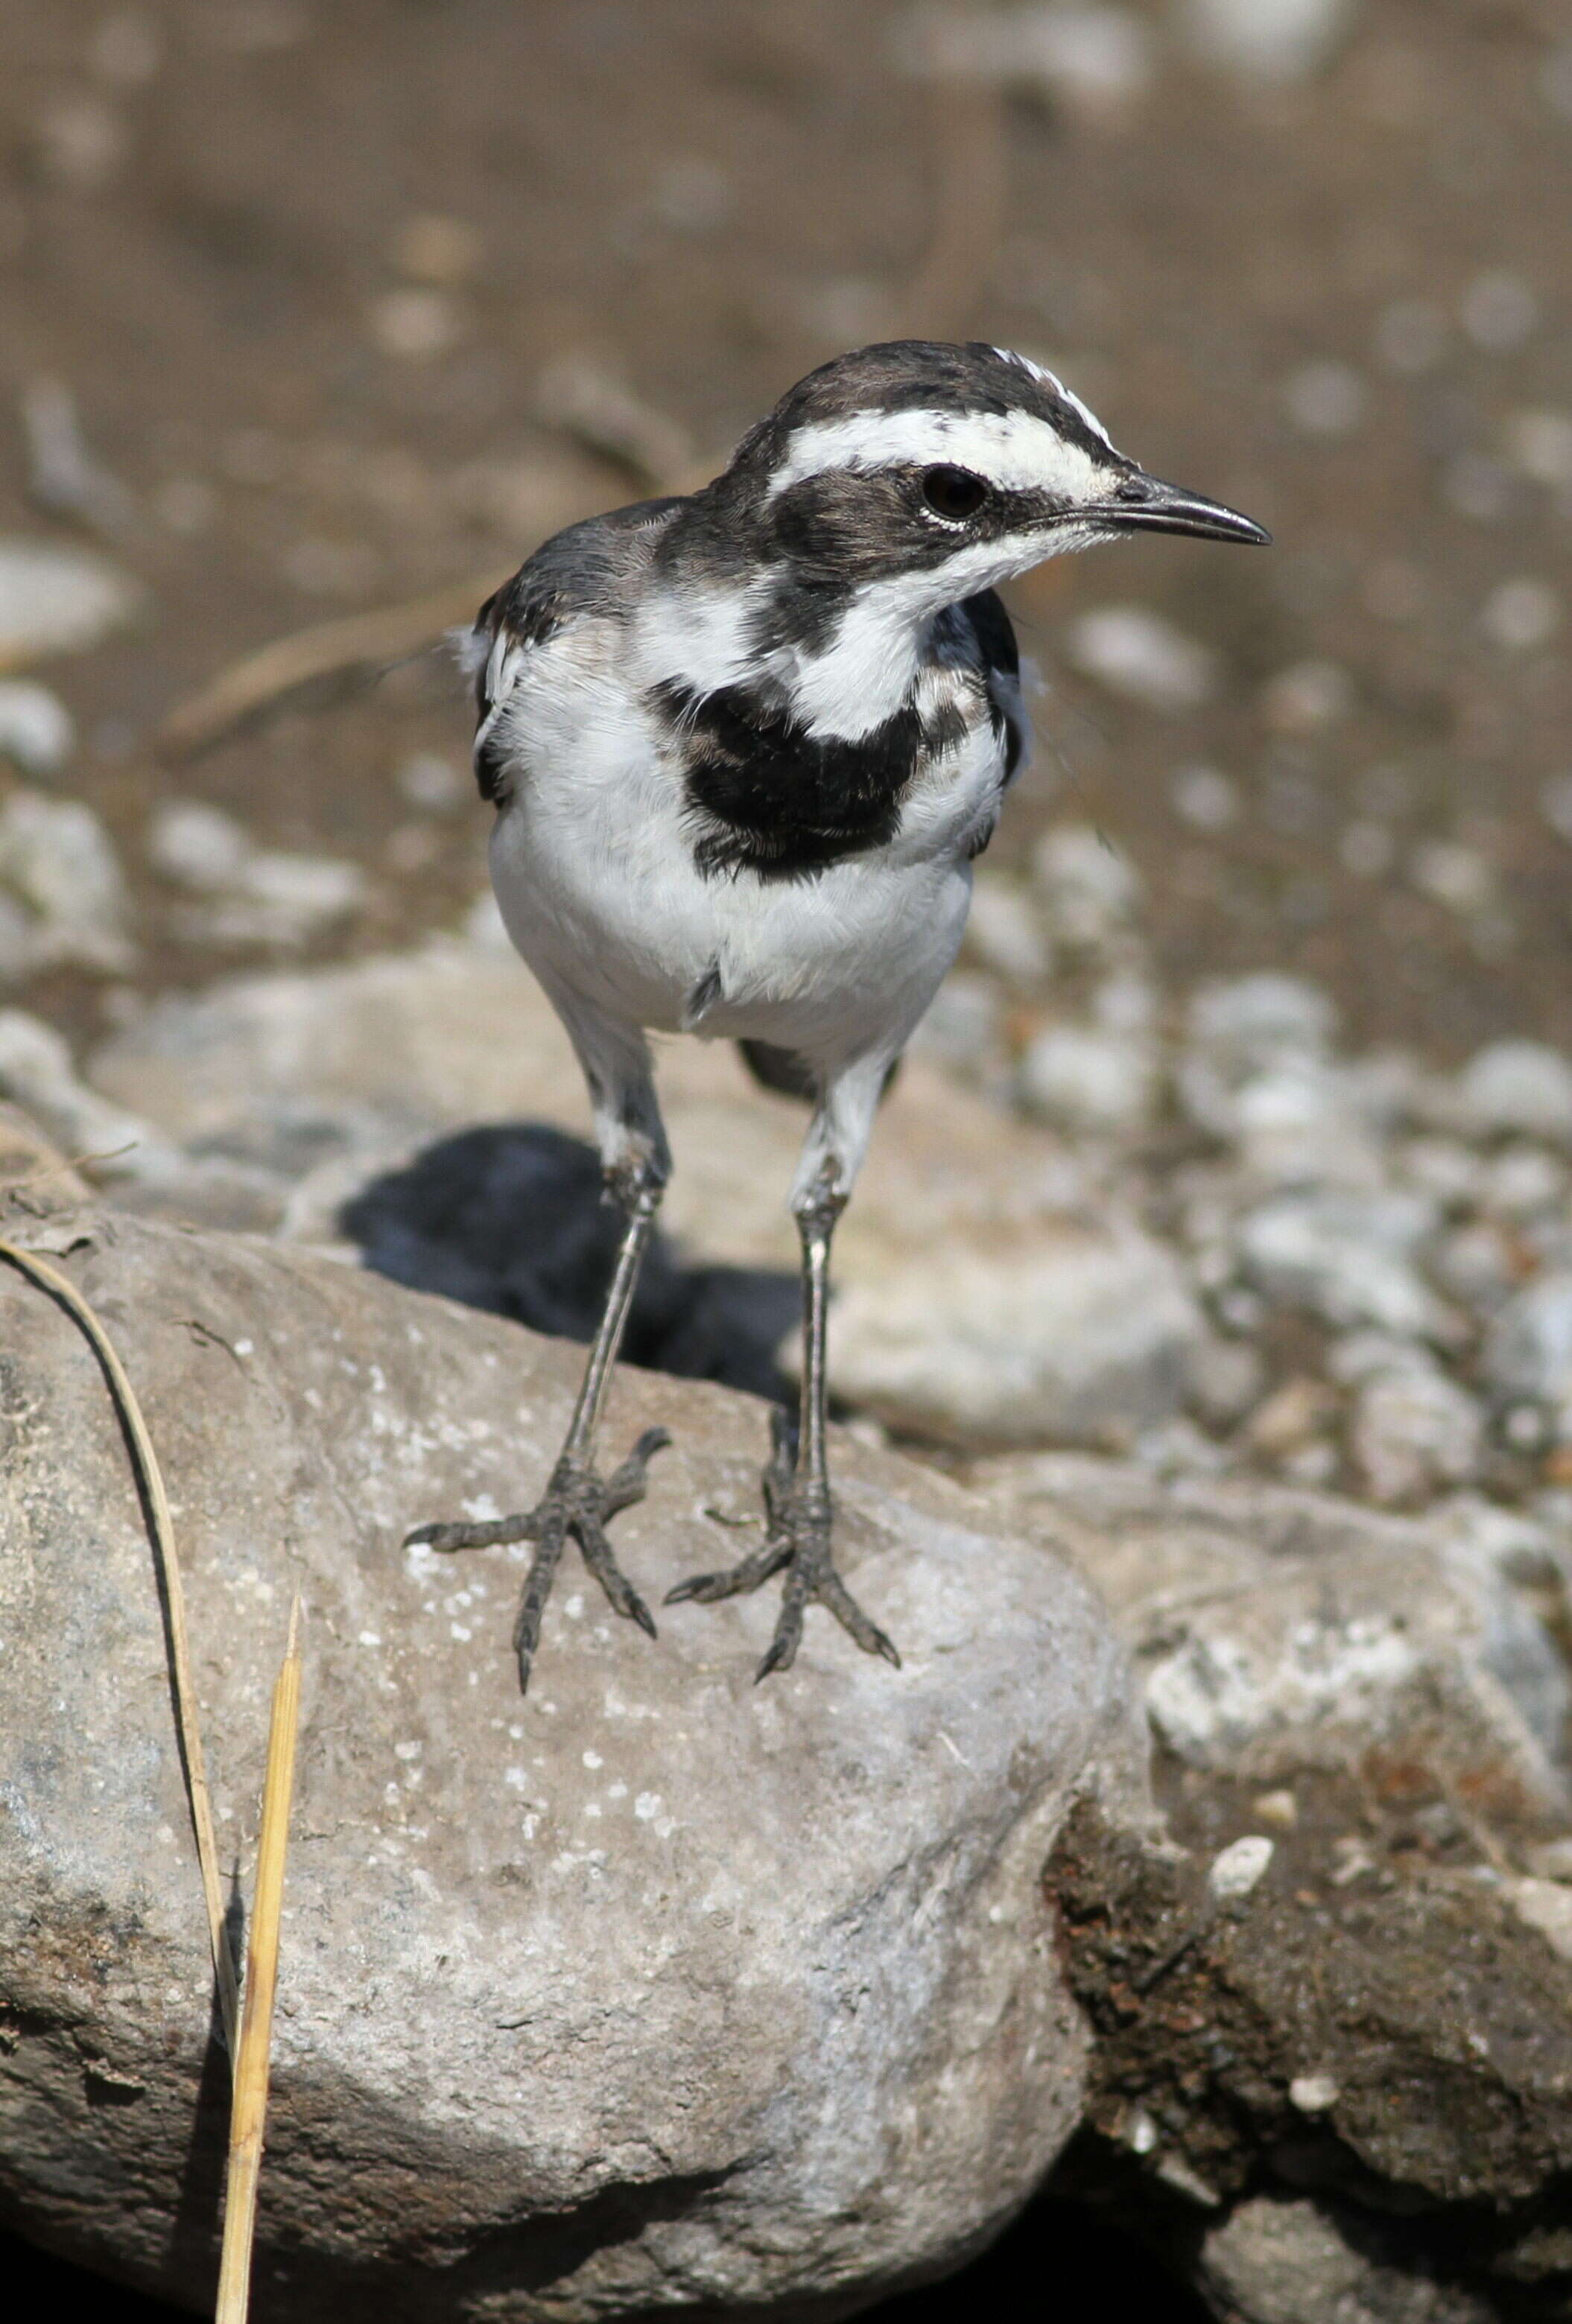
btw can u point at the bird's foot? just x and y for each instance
(798, 1539)
(578, 1502)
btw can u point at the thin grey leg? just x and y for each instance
(797, 1494)
(577, 1500)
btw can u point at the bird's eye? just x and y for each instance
(954, 492)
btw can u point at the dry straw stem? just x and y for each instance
(248, 2114)
(60, 1286)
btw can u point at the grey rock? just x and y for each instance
(1081, 1077)
(1346, 1258)
(1003, 930)
(1278, 1628)
(62, 895)
(1413, 1434)
(655, 1991)
(250, 895)
(118, 1149)
(1516, 1087)
(1268, 40)
(983, 1296)
(1142, 656)
(1249, 1023)
(1286, 2259)
(55, 599)
(36, 732)
(1528, 1350)
(1081, 1335)
(1090, 893)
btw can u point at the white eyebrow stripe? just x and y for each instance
(1051, 379)
(1015, 450)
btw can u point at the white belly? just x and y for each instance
(596, 879)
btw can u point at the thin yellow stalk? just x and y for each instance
(50, 1279)
(249, 2112)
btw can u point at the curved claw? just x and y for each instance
(733, 1579)
(576, 1502)
(448, 1537)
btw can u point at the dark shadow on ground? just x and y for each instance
(1058, 2260)
(510, 1218)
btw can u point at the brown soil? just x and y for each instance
(708, 200)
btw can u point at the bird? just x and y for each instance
(744, 746)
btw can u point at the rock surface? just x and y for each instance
(984, 1294)
(658, 1990)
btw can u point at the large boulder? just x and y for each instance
(656, 1991)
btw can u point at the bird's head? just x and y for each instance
(944, 470)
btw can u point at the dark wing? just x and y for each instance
(1001, 663)
(584, 569)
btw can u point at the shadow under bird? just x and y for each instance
(745, 747)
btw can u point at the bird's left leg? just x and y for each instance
(579, 1500)
(797, 1496)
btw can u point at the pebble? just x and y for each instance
(1203, 798)
(250, 895)
(1268, 40)
(1005, 931)
(1313, 2093)
(1540, 447)
(1237, 1868)
(1344, 1258)
(57, 600)
(1414, 1434)
(63, 901)
(1522, 1087)
(430, 780)
(1143, 657)
(415, 322)
(1520, 614)
(1306, 696)
(1325, 399)
(1528, 1351)
(1089, 892)
(36, 732)
(1081, 1078)
(963, 1029)
(1499, 311)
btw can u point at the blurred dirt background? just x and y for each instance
(347, 306)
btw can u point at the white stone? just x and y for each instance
(1325, 397)
(1499, 311)
(57, 600)
(200, 846)
(1268, 40)
(1546, 1905)
(1346, 1258)
(1140, 655)
(1081, 1078)
(1313, 2093)
(1203, 798)
(1516, 1087)
(1005, 931)
(1235, 1870)
(59, 869)
(1521, 614)
(36, 732)
(1090, 890)
(1414, 1433)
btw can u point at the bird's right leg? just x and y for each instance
(578, 1501)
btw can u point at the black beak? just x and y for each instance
(1143, 503)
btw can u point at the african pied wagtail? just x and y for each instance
(744, 748)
